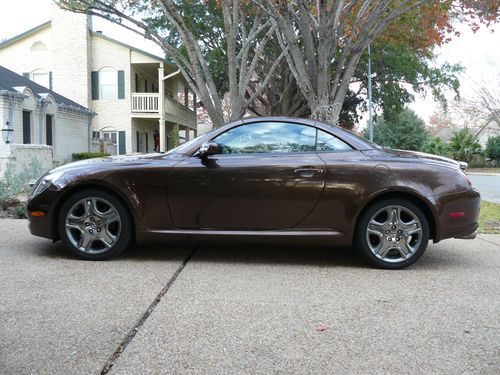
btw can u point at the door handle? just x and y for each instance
(308, 172)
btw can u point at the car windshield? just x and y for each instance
(181, 148)
(363, 139)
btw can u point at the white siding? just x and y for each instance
(112, 113)
(70, 135)
(19, 58)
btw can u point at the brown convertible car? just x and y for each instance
(261, 179)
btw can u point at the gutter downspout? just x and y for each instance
(11, 110)
(90, 132)
(43, 106)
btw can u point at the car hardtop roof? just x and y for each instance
(352, 139)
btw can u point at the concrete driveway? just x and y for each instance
(244, 309)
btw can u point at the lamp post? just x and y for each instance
(7, 133)
(370, 115)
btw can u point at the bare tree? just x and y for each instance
(478, 110)
(324, 41)
(486, 104)
(245, 38)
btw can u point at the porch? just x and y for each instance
(161, 100)
(146, 105)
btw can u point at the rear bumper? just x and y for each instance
(450, 226)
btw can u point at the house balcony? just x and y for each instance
(147, 105)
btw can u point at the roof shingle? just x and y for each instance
(9, 80)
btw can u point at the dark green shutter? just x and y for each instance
(121, 84)
(95, 85)
(50, 80)
(26, 75)
(121, 142)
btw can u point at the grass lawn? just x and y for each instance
(489, 218)
(483, 170)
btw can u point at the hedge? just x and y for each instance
(87, 155)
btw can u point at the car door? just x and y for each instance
(267, 176)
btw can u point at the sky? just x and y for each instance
(478, 53)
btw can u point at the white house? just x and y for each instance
(122, 84)
(40, 123)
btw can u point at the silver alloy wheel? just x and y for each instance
(93, 225)
(394, 234)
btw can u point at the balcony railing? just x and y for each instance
(174, 108)
(145, 102)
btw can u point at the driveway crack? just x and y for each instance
(131, 334)
(485, 240)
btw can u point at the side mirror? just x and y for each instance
(208, 148)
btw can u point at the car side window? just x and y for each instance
(267, 137)
(328, 142)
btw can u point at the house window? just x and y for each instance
(48, 130)
(39, 47)
(41, 77)
(95, 135)
(108, 83)
(26, 127)
(110, 136)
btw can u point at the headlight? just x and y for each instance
(45, 182)
(41, 186)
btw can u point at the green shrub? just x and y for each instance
(477, 161)
(15, 182)
(436, 146)
(87, 155)
(463, 145)
(492, 150)
(21, 211)
(406, 132)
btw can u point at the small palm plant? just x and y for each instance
(463, 145)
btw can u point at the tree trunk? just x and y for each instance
(327, 113)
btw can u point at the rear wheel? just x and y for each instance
(94, 225)
(392, 234)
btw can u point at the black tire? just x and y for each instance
(123, 235)
(395, 258)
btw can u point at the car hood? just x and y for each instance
(115, 162)
(414, 156)
(98, 167)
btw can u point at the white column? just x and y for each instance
(161, 108)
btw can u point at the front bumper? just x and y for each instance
(469, 236)
(43, 226)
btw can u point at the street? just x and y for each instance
(488, 186)
(246, 309)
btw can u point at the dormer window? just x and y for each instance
(39, 47)
(42, 77)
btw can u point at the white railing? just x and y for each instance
(144, 102)
(174, 108)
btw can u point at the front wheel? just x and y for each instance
(392, 234)
(94, 225)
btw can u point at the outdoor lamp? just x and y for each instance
(7, 133)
